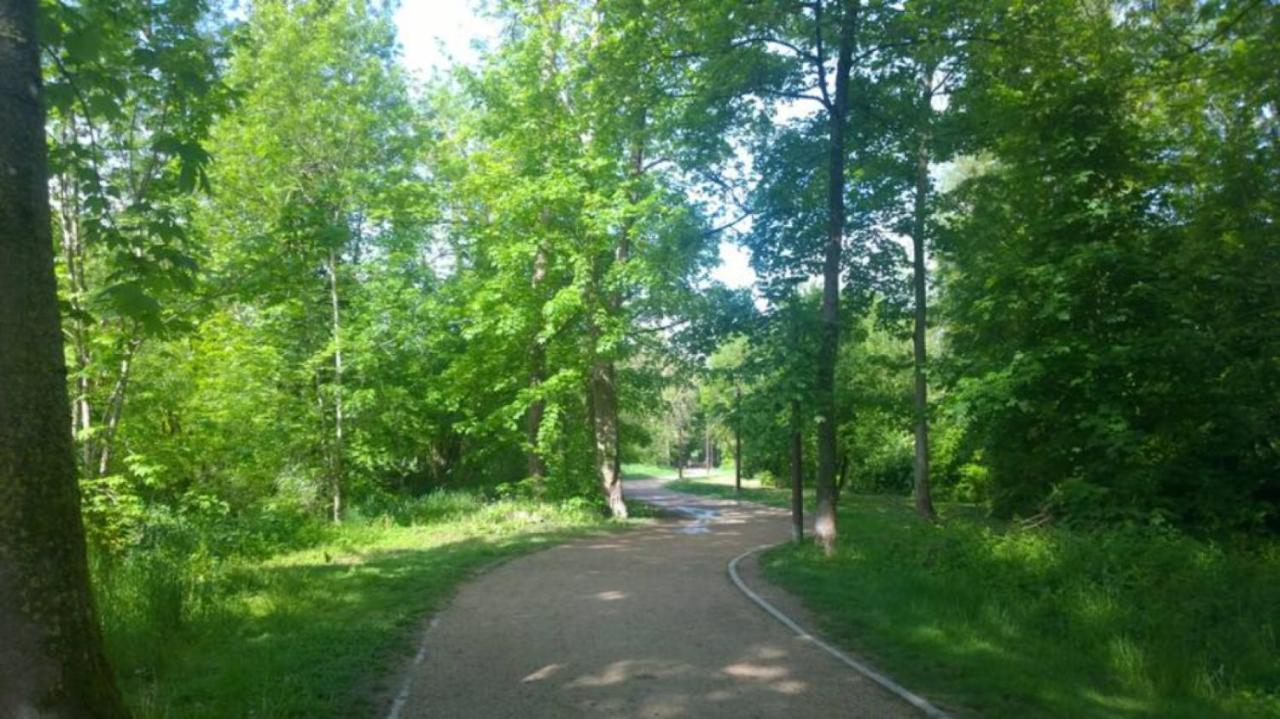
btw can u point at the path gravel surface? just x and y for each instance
(644, 623)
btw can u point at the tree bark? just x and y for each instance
(797, 476)
(706, 444)
(737, 439)
(923, 500)
(537, 374)
(824, 527)
(604, 398)
(336, 463)
(604, 389)
(51, 658)
(73, 255)
(115, 408)
(680, 448)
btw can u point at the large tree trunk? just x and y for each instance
(336, 463)
(924, 502)
(604, 398)
(604, 388)
(51, 659)
(797, 476)
(824, 526)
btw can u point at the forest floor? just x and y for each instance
(639, 624)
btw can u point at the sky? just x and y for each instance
(437, 33)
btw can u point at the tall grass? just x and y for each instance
(1002, 621)
(195, 629)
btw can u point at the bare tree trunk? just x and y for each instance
(923, 500)
(604, 398)
(706, 444)
(680, 447)
(797, 476)
(824, 527)
(336, 464)
(73, 255)
(51, 658)
(737, 439)
(115, 408)
(537, 374)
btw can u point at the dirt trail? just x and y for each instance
(640, 624)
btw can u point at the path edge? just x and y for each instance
(884, 681)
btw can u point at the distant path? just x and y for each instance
(640, 624)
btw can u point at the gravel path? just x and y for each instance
(639, 624)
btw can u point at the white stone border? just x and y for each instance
(895, 688)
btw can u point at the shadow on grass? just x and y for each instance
(1046, 623)
(1124, 622)
(310, 634)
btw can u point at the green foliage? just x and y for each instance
(1046, 622)
(1106, 270)
(294, 275)
(1003, 620)
(202, 622)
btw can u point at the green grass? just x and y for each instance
(305, 633)
(1049, 622)
(648, 471)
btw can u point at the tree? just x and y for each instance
(316, 180)
(773, 52)
(133, 88)
(1108, 260)
(51, 661)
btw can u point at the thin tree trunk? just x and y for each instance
(73, 255)
(336, 464)
(706, 444)
(680, 449)
(797, 475)
(115, 408)
(923, 500)
(51, 658)
(824, 527)
(737, 439)
(537, 374)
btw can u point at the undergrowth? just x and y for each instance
(207, 622)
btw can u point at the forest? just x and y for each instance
(295, 340)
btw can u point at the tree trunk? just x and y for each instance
(797, 476)
(706, 444)
(680, 449)
(824, 527)
(336, 464)
(73, 255)
(51, 658)
(924, 502)
(537, 374)
(604, 398)
(115, 408)
(604, 389)
(737, 439)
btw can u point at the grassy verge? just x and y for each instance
(305, 633)
(1050, 622)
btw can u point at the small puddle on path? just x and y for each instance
(701, 519)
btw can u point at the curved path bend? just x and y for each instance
(642, 624)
